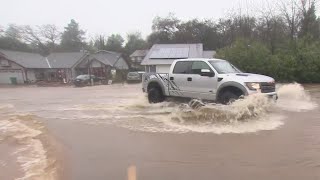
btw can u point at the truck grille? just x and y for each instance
(267, 87)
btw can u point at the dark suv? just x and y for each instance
(84, 80)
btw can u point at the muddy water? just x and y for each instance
(98, 132)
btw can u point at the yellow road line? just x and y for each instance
(132, 173)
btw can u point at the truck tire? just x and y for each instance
(228, 97)
(155, 95)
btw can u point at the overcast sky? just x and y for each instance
(112, 16)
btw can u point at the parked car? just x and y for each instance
(84, 80)
(135, 76)
(205, 79)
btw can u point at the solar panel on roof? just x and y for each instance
(170, 53)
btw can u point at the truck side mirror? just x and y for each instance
(207, 72)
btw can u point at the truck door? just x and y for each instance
(201, 87)
(178, 84)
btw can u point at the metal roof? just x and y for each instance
(139, 53)
(25, 59)
(194, 51)
(106, 57)
(170, 53)
(64, 60)
(34, 60)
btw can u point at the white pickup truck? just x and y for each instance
(205, 79)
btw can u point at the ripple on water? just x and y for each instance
(32, 146)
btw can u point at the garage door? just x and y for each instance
(7, 76)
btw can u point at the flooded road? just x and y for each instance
(98, 132)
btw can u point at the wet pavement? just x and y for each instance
(99, 132)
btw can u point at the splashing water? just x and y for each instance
(293, 97)
(241, 110)
(251, 114)
(246, 115)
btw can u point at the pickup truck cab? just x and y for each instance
(205, 79)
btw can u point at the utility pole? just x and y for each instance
(89, 70)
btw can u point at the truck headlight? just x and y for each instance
(253, 86)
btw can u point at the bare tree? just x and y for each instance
(44, 37)
(1, 31)
(306, 5)
(14, 32)
(291, 14)
(51, 33)
(32, 35)
(270, 26)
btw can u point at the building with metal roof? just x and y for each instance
(101, 63)
(20, 67)
(140, 53)
(136, 58)
(26, 59)
(32, 67)
(110, 58)
(64, 59)
(161, 56)
(10, 71)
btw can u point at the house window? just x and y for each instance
(39, 75)
(153, 69)
(4, 62)
(134, 59)
(150, 69)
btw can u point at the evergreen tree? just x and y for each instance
(72, 38)
(114, 43)
(309, 22)
(134, 42)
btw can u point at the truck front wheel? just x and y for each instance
(228, 97)
(155, 95)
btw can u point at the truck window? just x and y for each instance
(197, 66)
(224, 67)
(182, 67)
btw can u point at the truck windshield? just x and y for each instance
(224, 67)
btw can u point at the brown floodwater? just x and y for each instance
(104, 132)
